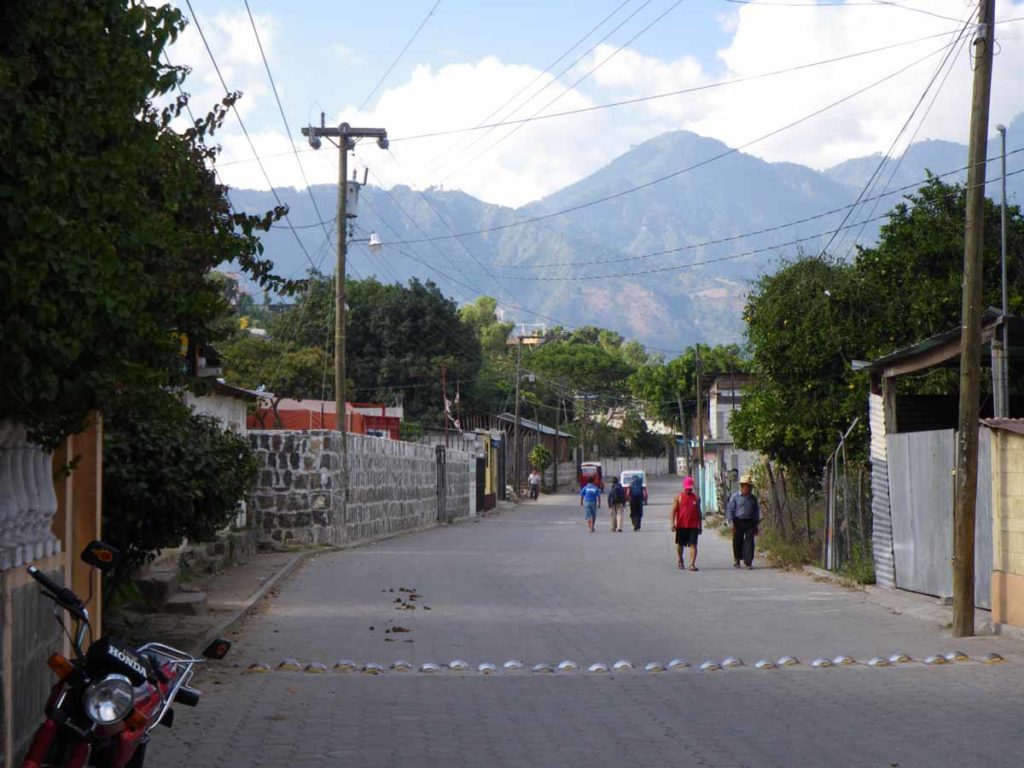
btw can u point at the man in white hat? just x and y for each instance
(744, 514)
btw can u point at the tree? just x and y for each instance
(492, 334)
(804, 324)
(399, 337)
(112, 220)
(280, 368)
(168, 474)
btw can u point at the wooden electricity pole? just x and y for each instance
(700, 417)
(970, 330)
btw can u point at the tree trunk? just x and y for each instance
(777, 519)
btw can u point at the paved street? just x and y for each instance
(533, 585)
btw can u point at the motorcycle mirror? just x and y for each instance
(100, 555)
(218, 649)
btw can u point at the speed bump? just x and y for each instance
(710, 666)
(458, 665)
(654, 667)
(513, 665)
(258, 668)
(878, 661)
(935, 660)
(765, 664)
(623, 666)
(789, 661)
(289, 665)
(731, 663)
(315, 668)
(677, 665)
(345, 665)
(994, 658)
(543, 669)
(844, 661)
(487, 668)
(567, 666)
(430, 668)
(598, 668)
(900, 658)
(402, 666)
(957, 656)
(821, 663)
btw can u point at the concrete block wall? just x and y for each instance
(1007, 528)
(392, 487)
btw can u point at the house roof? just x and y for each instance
(1006, 425)
(528, 424)
(942, 348)
(241, 393)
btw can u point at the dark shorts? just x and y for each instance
(687, 537)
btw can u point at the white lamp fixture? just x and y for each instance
(374, 244)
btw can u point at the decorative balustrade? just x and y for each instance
(28, 501)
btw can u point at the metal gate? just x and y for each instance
(921, 492)
(442, 485)
(481, 483)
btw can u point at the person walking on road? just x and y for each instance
(636, 495)
(534, 481)
(744, 514)
(616, 503)
(590, 500)
(687, 523)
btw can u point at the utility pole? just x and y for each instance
(1001, 341)
(682, 428)
(444, 402)
(700, 417)
(518, 436)
(558, 440)
(346, 136)
(970, 341)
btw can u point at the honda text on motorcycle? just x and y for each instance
(108, 699)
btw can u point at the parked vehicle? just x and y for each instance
(590, 472)
(626, 478)
(107, 700)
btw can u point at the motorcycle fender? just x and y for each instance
(41, 742)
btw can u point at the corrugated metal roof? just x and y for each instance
(527, 424)
(1007, 425)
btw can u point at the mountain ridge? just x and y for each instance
(669, 263)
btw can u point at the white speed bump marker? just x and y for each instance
(258, 668)
(654, 667)
(513, 665)
(936, 660)
(402, 666)
(345, 665)
(316, 668)
(900, 658)
(567, 666)
(430, 668)
(487, 668)
(766, 664)
(710, 666)
(597, 668)
(957, 656)
(994, 658)
(677, 665)
(373, 668)
(821, 663)
(731, 663)
(623, 666)
(878, 661)
(789, 661)
(290, 665)
(543, 669)
(458, 665)
(844, 661)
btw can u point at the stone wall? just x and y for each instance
(393, 487)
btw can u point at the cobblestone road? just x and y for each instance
(533, 585)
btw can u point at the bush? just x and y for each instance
(540, 458)
(168, 474)
(785, 554)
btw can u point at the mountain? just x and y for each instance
(668, 264)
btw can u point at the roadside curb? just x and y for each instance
(237, 616)
(842, 581)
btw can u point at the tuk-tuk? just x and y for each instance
(590, 472)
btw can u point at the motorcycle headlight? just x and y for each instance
(109, 700)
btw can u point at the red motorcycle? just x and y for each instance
(107, 701)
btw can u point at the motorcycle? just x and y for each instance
(108, 699)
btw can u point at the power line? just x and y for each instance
(401, 53)
(687, 169)
(284, 119)
(248, 138)
(841, 4)
(670, 94)
(731, 257)
(892, 146)
(547, 69)
(745, 235)
(570, 88)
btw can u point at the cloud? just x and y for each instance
(515, 166)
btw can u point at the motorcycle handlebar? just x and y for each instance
(66, 597)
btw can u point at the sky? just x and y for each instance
(480, 61)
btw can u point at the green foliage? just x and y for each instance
(660, 385)
(398, 338)
(279, 367)
(492, 334)
(168, 474)
(635, 439)
(309, 321)
(540, 458)
(111, 219)
(582, 365)
(783, 553)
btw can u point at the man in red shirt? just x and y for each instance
(687, 523)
